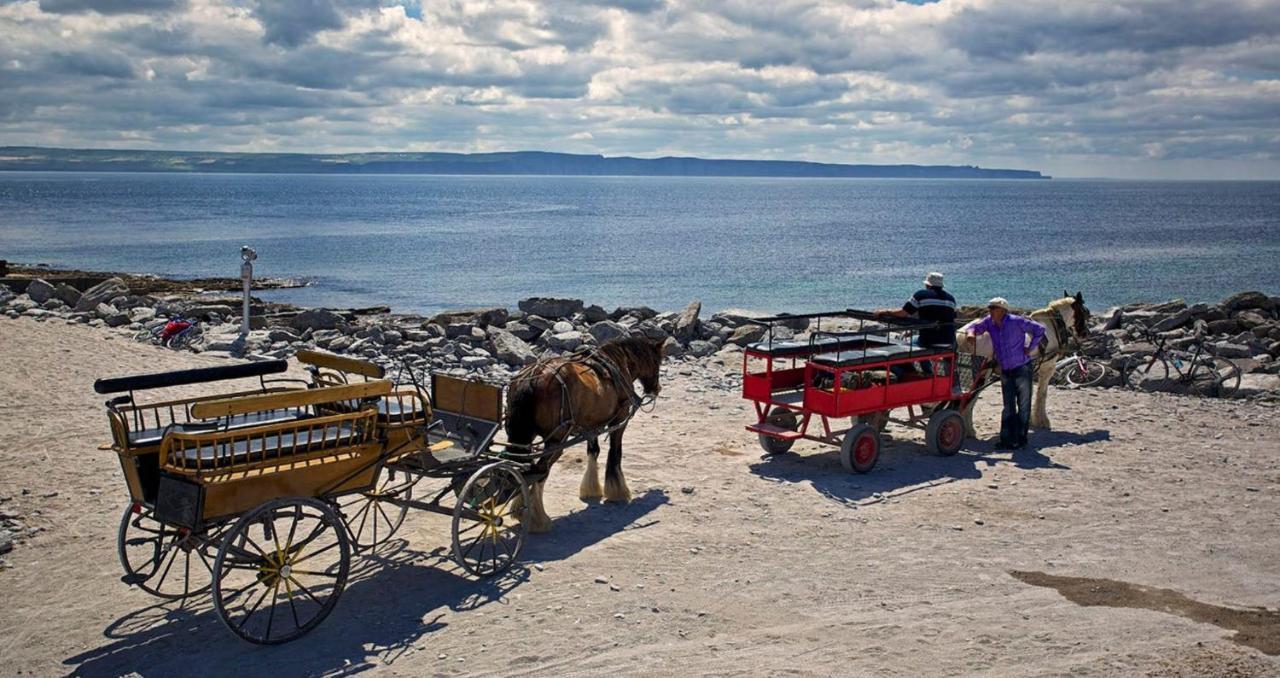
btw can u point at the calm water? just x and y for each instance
(422, 243)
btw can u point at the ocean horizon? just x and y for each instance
(424, 243)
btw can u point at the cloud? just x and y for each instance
(1153, 87)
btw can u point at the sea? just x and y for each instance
(423, 243)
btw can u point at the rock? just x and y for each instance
(637, 312)
(105, 311)
(22, 303)
(562, 327)
(1173, 322)
(594, 314)
(701, 349)
(607, 330)
(523, 331)
(40, 291)
(799, 324)
(68, 294)
(459, 329)
(1223, 326)
(1229, 350)
(1251, 319)
(282, 335)
(649, 329)
(672, 348)
(731, 318)
(565, 341)
(1257, 384)
(1247, 300)
(549, 307)
(538, 323)
(686, 324)
(476, 361)
(747, 334)
(509, 348)
(341, 344)
(483, 317)
(318, 319)
(141, 314)
(102, 292)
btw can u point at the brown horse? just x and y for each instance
(561, 398)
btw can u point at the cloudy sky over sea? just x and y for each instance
(1150, 88)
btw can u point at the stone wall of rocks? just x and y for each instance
(493, 343)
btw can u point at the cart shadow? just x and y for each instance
(906, 467)
(591, 525)
(394, 597)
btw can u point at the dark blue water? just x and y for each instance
(422, 243)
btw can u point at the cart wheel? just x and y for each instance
(945, 433)
(489, 525)
(161, 559)
(782, 418)
(280, 570)
(860, 449)
(370, 518)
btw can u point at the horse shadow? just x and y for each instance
(906, 467)
(394, 597)
(592, 524)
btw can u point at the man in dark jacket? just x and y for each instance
(932, 304)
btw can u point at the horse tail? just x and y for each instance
(522, 409)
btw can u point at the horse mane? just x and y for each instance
(632, 351)
(1055, 305)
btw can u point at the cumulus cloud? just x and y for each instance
(1152, 87)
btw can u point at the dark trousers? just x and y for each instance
(1016, 385)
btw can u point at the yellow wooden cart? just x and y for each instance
(262, 494)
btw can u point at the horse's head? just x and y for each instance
(1079, 320)
(641, 357)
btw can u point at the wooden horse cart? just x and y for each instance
(860, 375)
(262, 494)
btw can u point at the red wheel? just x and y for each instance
(945, 433)
(860, 449)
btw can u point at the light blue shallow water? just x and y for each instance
(423, 243)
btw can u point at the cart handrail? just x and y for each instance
(226, 407)
(140, 382)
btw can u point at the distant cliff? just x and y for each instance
(34, 158)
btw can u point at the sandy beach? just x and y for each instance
(1140, 539)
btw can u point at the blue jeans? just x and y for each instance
(1016, 386)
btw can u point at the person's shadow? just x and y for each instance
(907, 466)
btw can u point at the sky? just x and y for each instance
(1080, 88)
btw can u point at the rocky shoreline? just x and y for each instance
(493, 343)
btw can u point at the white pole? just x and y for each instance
(247, 255)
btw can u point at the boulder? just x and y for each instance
(459, 329)
(747, 334)
(1258, 384)
(686, 324)
(594, 314)
(649, 329)
(637, 312)
(476, 361)
(282, 335)
(1229, 350)
(565, 341)
(40, 291)
(538, 322)
(509, 348)
(102, 292)
(672, 348)
(523, 331)
(798, 324)
(23, 303)
(607, 330)
(1173, 322)
(701, 349)
(731, 318)
(1247, 300)
(483, 317)
(562, 327)
(57, 305)
(318, 319)
(119, 319)
(105, 310)
(549, 307)
(142, 314)
(1223, 326)
(1248, 319)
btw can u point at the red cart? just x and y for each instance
(861, 372)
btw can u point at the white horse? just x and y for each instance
(1061, 318)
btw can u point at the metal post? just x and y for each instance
(247, 255)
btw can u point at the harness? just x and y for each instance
(607, 370)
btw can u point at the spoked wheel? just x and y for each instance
(1085, 372)
(782, 418)
(163, 560)
(1213, 376)
(281, 569)
(489, 525)
(370, 518)
(945, 432)
(1141, 369)
(860, 449)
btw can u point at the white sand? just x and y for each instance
(727, 564)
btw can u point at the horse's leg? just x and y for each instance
(539, 521)
(590, 487)
(1039, 413)
(615, 485)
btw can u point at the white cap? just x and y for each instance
(998, 302)
(934, 279)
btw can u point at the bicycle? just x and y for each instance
(1199, 370)
(1076, 370)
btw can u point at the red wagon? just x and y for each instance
(860, 372)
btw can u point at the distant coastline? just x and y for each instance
(42, 159)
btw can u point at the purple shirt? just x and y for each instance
(1008, 340)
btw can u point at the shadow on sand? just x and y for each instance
(394, 597)
(906, 466)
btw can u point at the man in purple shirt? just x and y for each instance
(1013, 354)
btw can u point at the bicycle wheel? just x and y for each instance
(1211, 376)
(1085, 372)
(1139, 370)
